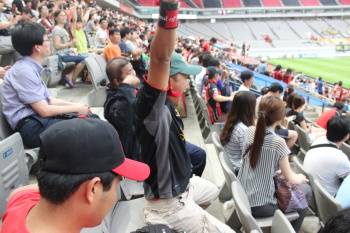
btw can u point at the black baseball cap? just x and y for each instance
(84, 146)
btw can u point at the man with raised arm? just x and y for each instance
(172, 196)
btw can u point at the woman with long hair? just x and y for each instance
(289, 90)
(239, 118)
(62, 45)
(43, 18)
(264, 153)
(296, 109)
(289, 102)
(287, 76)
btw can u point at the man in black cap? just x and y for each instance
(172, 196)
(77, 182)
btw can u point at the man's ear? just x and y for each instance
(92, 189)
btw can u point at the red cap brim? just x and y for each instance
(133, 170)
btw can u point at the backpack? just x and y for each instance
(159, 228)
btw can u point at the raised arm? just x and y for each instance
(163, 45)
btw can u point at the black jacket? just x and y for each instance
(118, 111)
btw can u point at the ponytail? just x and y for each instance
(260, 133)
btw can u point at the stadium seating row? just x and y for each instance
(247, 3)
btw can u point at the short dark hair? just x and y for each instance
(275, 87)
(113, 30)
(27, 11)
(201, 40)
(100, 21)
(339, 223)
(110, 24)
(114, 68)
(124, 31)
(57, 188)
(246, 75)
(214, 62)
(213, 40)
(338, 105)
(337, 128)
(26, 36)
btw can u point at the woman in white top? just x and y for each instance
(264, 154)
(247, 78)
(239, 118)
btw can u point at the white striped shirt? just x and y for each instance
(258, 182)
(234, 148)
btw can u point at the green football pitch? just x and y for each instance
(330, 69)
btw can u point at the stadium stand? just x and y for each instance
(189, 3)
(320, 26)
(310, 2)
(201, 29)
(344, 2)
(231, 3)
(240, 31)
(259, 28)
(146, 2)
(220, 29)
(329, 2)
(338, 24)
(301, 28)
(199, 3)
(251, 3)
(135, 2)
(212, 4)
(282, 30)
(271, 3)
(291, 2)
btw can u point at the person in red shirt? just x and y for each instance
(338, 92)
(327, 115)
(77, 183)
(205, 45)
(287, 77)
(277, 73)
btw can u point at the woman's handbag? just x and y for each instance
(290, 197)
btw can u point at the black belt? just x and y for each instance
(22, 122)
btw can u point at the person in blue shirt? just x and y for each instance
(319, 86)
(343, 193)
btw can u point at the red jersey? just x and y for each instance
(206, 47)
(18, 207)
(325, 117)
(338, 93)
(277, 75)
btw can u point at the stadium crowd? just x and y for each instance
(148, 68)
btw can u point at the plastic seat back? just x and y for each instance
(327, 206)
(103, 64)
(216, 140)
(304, 139)
(243, 208)
(280, 223)
(5, 129)
(13, 167)
(95, 72)
(227, 168)
(345, 148)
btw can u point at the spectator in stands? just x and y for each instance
(133, 45)
(277, 73)
(319, 86)
(239, 118)
(263, 153)
(101, 38)
(343, 193)
(289, 102)
(247, 78)
(43, 18)
(26, 16)
(215, 62)
(17, 6)
(27, 105)
(63, 45)
(335, 111)
(125, 35)
(324, 161)
(171, 196)
(287, 76)
(203, 60)
(79, 34)
(214, 95)
(297, 109)
(338, 91)
(262, 67)
(290, 136)
(144, 39)
(289, 90)
(90, 26)
(112, 50)
(345, 102)
(339, 223)
(76, 186)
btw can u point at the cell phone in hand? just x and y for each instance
(292, 118)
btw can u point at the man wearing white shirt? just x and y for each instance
(324, 161)
(101, 38)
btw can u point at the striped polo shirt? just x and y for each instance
(258, 182)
